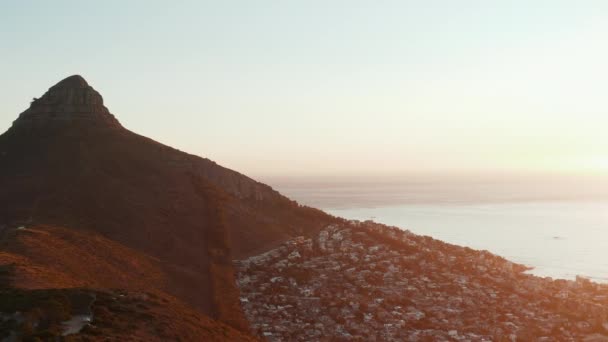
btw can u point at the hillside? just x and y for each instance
(362, 281)
(111, 315)
(67, 164)
(42, 257)
(47, 273)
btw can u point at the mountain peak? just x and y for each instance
(74, 81)
(72, 101)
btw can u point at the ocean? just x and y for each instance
(558, 228)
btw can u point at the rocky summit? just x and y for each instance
(70, 101)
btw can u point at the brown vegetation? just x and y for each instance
(117, 315)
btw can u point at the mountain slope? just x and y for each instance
(67, 162)
(116, 315)
(42, 257)
(363, 281)
(40, 265)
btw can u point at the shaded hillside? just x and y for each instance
(115, 315)
(42, 257)
(47, 273)
(67, 162)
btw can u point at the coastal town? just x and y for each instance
(363, 281)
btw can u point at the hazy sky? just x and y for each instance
(331, 87)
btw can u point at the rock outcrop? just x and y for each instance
(70, 101)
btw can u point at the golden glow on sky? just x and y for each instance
(336, 88)
(597, 164)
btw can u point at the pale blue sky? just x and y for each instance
(331, 87)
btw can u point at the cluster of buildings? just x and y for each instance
(362, 281)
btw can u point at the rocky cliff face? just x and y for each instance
(69, 101)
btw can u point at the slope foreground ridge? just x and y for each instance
(59, 275)
(67, 163)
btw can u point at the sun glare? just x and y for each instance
(596, 164)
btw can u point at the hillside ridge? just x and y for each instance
(68, 163)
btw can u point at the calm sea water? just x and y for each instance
(560, 236)
(558, 239)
